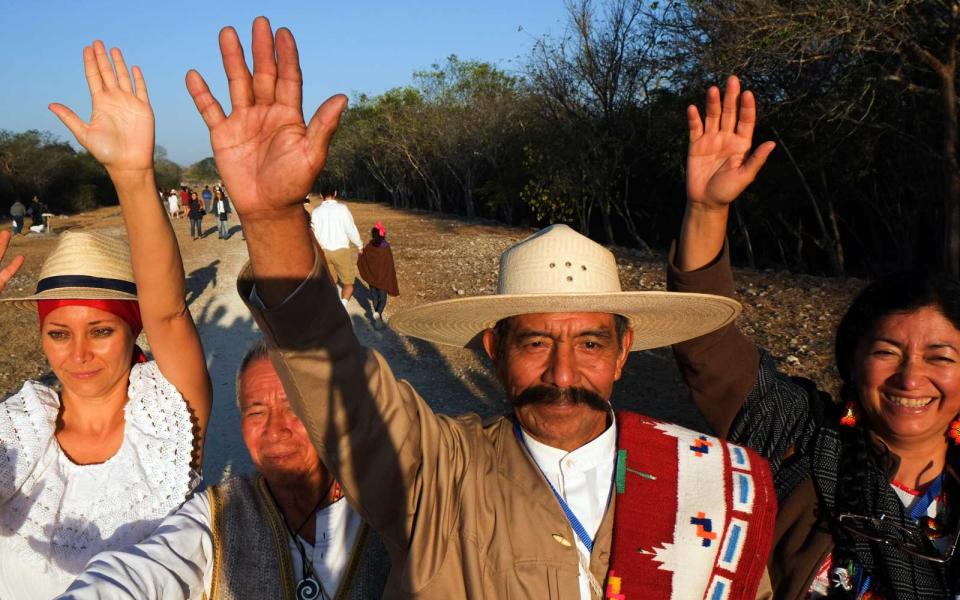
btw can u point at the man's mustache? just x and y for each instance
(545, 394)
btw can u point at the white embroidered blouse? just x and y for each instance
(55, 515)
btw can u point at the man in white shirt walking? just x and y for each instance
(335, 230)
(284, 532)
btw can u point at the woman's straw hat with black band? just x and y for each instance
(557, 270)
(84, 266)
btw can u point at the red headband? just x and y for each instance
(379, 227)
(127, 310)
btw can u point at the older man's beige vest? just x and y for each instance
(251, 556)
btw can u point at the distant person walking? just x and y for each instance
(173, 204)
(335, 230)
(196, 216)
(221, 207)
(223, 192)
(377, 269)
(18, 212)
(207, 196)
(36, 210)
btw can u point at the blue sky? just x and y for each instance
(363, 46)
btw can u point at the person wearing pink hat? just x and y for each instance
(376, 267)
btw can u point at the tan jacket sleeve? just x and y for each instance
(721, 367)
(399, 463)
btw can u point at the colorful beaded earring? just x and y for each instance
(849, 418)
(954, 432)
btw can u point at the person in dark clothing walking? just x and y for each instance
(377, 269)
(18, 212)
(196, 216)
(35, 211)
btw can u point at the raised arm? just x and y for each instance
(720, 368)
(719, 167)
(267, 155)
(377, 436)
(120, 135)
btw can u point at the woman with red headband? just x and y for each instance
(377, 269)
(97, 464)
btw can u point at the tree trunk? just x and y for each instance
(584, 210)
(826, 241)
(605, 217)
(468, 195)
(507, 208)
(839, 263)
(468, 202)
(746, 236)
(951, 169)
(837, 260)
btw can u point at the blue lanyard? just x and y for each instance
(919, 509)
(575, 523)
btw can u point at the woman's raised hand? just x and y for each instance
(7, 272)
(120, 131)
(719, 167)
(719, 163)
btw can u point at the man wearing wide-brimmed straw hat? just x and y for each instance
(561, 499)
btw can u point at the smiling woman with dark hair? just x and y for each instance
(99, 462)
(863, 484)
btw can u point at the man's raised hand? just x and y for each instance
(265, 152)
(719, 163)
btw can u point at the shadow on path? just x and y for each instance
(227, 330)
(200, 279)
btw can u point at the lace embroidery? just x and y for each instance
(59, 514)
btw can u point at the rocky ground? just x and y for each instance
(438, 257)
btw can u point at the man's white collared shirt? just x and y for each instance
(334, 227)
(584, 479)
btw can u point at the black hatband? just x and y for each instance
(86, 281)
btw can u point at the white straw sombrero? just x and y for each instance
(84, 266)
(559, 270)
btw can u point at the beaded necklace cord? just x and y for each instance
(309, 587)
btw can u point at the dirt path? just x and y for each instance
(437, 257)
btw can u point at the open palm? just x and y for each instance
(265, 152)
(719, 163)
(121, 128)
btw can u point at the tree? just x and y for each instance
(202, 171)
(32, 161)
(591, 85)
(168, 173)
(475, 106)
(841, 69)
